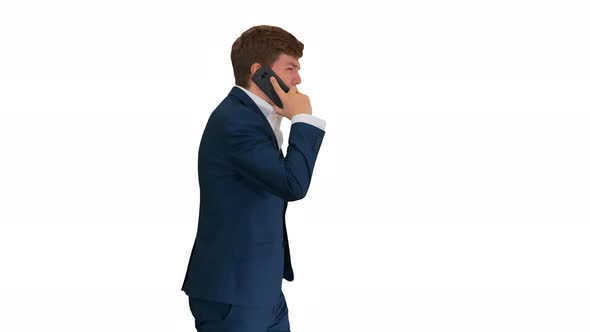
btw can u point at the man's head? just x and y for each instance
(266, 45)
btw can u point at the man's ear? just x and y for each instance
(254, 68)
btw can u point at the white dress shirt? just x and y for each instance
(275, 118)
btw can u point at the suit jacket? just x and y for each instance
(241, 251)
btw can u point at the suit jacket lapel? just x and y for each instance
(251, 105)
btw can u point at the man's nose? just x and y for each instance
(296, 79)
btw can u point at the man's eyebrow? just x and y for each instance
(294, 65)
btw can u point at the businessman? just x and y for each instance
(241, 251)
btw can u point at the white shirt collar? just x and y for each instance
(264, 106)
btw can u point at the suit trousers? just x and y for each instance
(213, 316)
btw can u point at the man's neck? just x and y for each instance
(256, 90)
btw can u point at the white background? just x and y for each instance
(451, 192)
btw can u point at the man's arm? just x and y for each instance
(255, 156)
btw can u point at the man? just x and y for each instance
(241, 251)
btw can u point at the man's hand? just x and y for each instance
(294, 102)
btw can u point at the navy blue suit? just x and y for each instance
(241, 251)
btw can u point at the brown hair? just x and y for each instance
(261, 44)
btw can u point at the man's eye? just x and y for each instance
(289, 68)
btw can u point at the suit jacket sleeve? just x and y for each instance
(255, 155)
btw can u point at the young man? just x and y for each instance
(241, 251)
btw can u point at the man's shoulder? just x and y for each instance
(231, 113)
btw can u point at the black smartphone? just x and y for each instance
(262, 78)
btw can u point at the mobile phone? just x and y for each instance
(262, 78)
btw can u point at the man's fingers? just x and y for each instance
(277, 87)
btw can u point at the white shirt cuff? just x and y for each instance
(310, 119)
